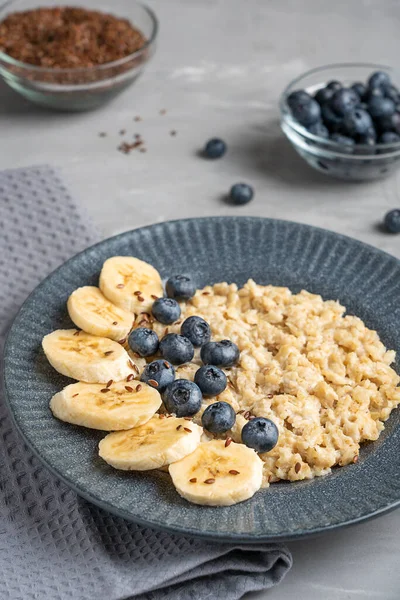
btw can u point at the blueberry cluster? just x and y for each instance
(360, 114)
(184, 397)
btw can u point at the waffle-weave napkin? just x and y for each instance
(53, 544)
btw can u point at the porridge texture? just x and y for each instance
(322, 377)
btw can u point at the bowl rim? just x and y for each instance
(80, 70)
(329, 145)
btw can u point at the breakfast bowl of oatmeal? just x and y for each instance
(231, 378)
(74, 56)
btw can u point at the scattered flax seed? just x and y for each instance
(179, 427)
(166, 331)
(153, 382)
(270, 396)
(211, 480)
(240, 412)
(297, 467)
(102, 134)
(251, 417)
(130, 377)
(122, 132)
(163, 111)
(162, 416)
(173, 132)
(154, 297)
(137, 118)
(228, 441)
(234, 472)
(355, 459)
(187, 429)
(142, 150)
(108, 352)
(247, 414)
(109, 384)
(122, 342)
(136, 355)
(178, 322)
(169, 416)
(129, 388)
(75, 395)
(105, 390)
(137, 136)
(137, 293)
(140, 298)
(120, 286)
(142, 322)
(205, 293)
(193, 480)
(77, 332)
(187, 418)
(138, 387)
(167, 365)
(115, 322)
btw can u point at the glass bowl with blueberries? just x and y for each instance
(344, 120)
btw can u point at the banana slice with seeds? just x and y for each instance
(111, 407)
(218, 474)
(130, 283)
(90, 310)
(87, 357)
(157, 443)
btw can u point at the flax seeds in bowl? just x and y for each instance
(74, 57)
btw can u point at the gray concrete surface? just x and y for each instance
(219, 69)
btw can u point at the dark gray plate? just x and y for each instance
(364, 279)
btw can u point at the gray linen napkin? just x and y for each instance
(53, 544)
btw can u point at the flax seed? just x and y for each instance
(166, 365)
(130, 377)
(137, 293)
(75, 395)
(122, 342)
(115, 322)
(187, 429)
(179, 427)
(129, 388)
(205, 293)
(228, 441)
(153, 382)
(211, 480)
(138, 387)
(154, 297)
(193, 480)
(77, 332)
(270, 396)
(120, 286)
(355, 459)
(108, 352)
(297, 467)
(109, 384)
(140, 298)
(104, 390)
(234, 472)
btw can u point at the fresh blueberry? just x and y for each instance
(360, 89)
(344, 101)
(343, 140)
(260, 434)
(211, 380)
(306, 113)
(220, 354)
(330, 119)
(393, 93)
(392, 221)
(215, 148)
(373, 93)
(298, 97)
(241, 193)
(180, 287)
(334, 85)
(177, 349)
(356, 122)
(166, 310)
(183, 398)
(197, 330)
(218, 417)
(158, 374)
(391, 123)
(323, 95)
(319, 129)
(381, 107)
(379, 79)
(143, 341)
(389, 137)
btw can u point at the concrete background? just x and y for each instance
(219, 70)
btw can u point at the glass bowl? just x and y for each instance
(82, 88)
(357, 163)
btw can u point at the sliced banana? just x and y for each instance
(159, 442)
(87, 357)
(218, 475)
(90, 310)
(130, 283)
(120, 405)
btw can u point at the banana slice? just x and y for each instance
(87, 357)
(159, 442)
(218, 475)
(130, 283)
(92, 312)
(120, 405)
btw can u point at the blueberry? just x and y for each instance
(180, 287)
(143, 341)
(356, 122)
(334, 85)
(360, 89)
(393, 93)
(220, 354)
(319, 130)
(366, 143)
(166, 310)
(389, 137)
(344, 140)
(298, 97)
(159, 371)
(373, 93)
(381, 107)
(391, 123)
(215, 148)
(197, 330)
(260, 434)
(379, 79)
(344, 101)
(241, 193)
(392, 221)
(211, 380)
(218, 417)
(306, 113)
(183, 398)
(177, 349)
(330, 119)
(323, 95)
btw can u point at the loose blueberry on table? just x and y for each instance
(158, 374)
(392, 221)
(214, 148)
(183, 398)
(218, 417)
(241, 193)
